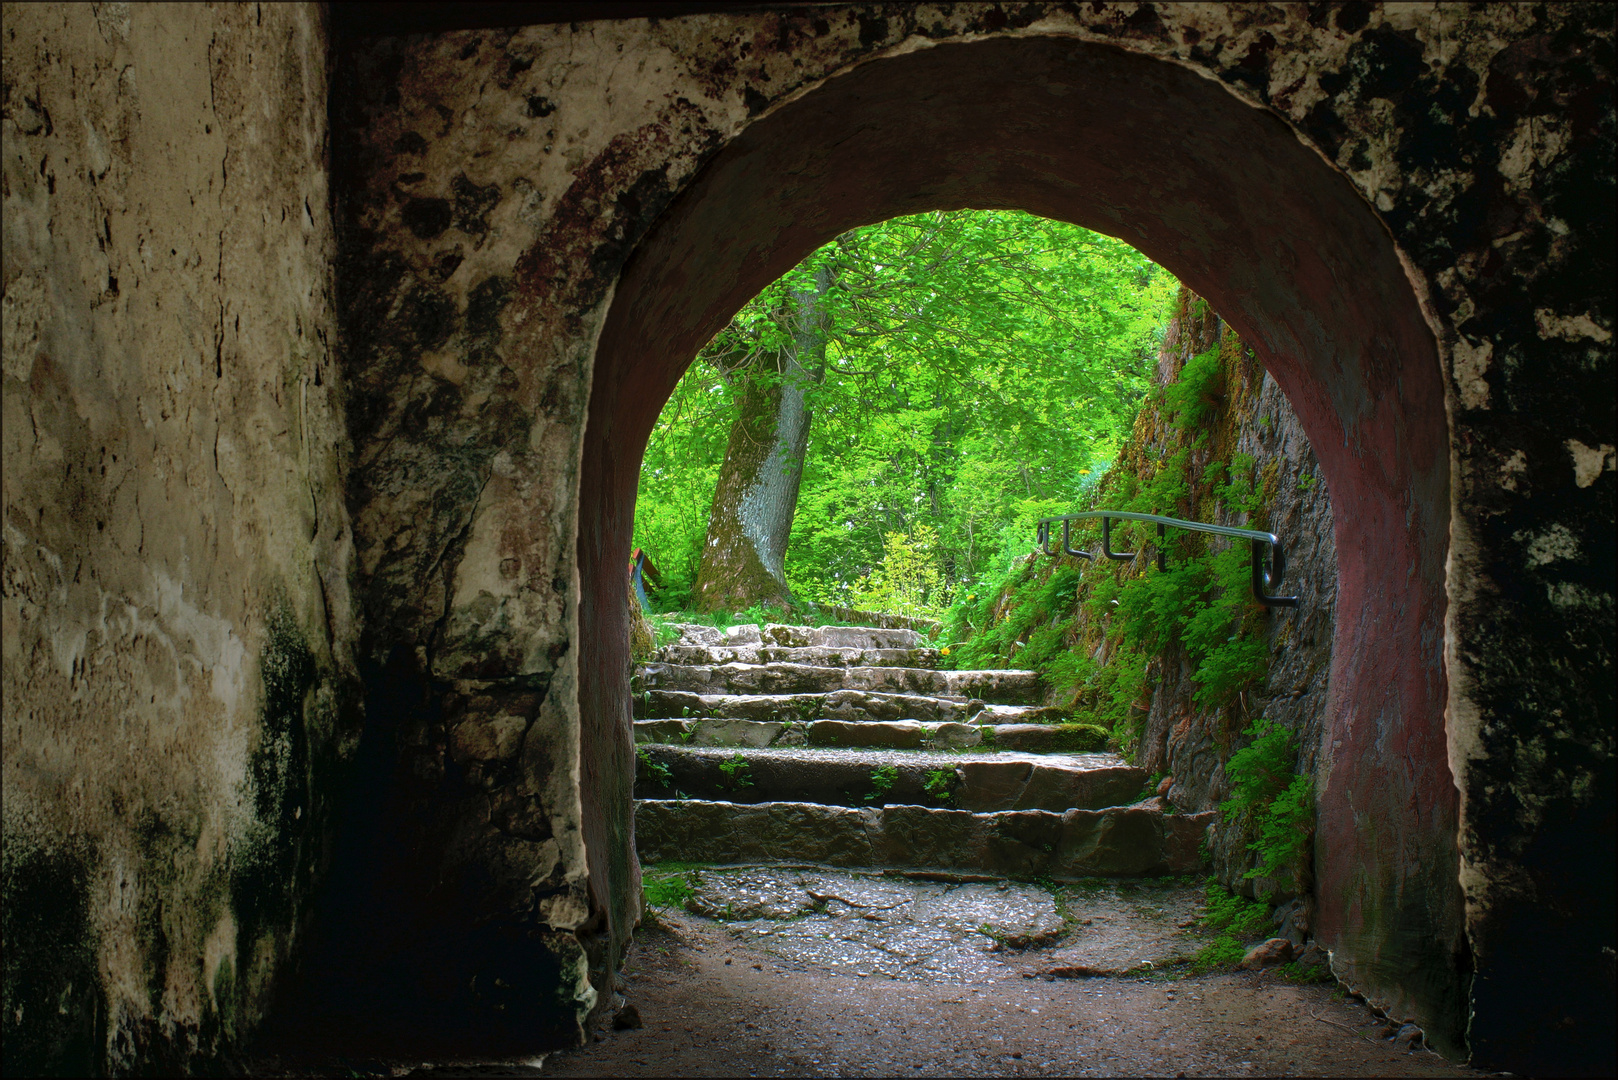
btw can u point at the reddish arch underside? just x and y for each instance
(1227, 198)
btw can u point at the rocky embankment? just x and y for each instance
(847, 746)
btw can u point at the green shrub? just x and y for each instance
(662, 893)
(882, 780)
(735, 770)
(1234, 920)
(654, 770)
(1269, 799)
(1198, 390)
(1079, 738)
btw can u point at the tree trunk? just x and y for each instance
(744, 554)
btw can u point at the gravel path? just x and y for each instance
(713, 1006)
(816, 972)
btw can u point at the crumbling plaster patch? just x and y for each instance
(174, 472)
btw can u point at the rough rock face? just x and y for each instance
(179, 679)
(1192, 744)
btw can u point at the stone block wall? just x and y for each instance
(180, 689)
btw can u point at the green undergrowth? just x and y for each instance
(652, 769)
(758, 614)
(1271, 801)
(668, 886)
(735, 770)
(1233, 920)
(1091, 628)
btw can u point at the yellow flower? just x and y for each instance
(944, 651)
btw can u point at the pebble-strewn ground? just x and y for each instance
(811, 972)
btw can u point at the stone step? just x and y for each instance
(814, 655)
(1002, 687)
(853, 705)
(892, 734)
(1127, 841)
(859, 777)
(798, 637)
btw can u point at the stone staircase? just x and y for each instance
(847, 746)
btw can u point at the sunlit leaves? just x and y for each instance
(981, 365)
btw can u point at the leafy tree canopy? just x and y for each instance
(981, 369)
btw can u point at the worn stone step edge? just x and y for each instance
(1130, 841)
(853, 705)
(888, 734)
(814, 656)
(1003, 687)
(789, 636)
(872, 777)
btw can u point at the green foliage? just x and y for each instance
(663, 631)
(665, 892)
(1079, 738)
(981, 368)
(1268, 796)
(908, 580)
(1234, 920)
(735, 770)
(882, 781)
(1027, 614)
(1198, 390)
(654, 770)
(939, 782)
(1298, 973)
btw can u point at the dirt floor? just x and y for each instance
(820, 973)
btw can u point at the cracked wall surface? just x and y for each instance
(180, 685)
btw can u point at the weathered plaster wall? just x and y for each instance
(499, 181)
(179, 679)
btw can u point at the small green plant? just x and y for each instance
(1150, 787)
(735, 770)
(908, 581)
(938, 783)
(1298, 973)
(882, 780)
(1269, 799)
(1306, 482)
(663, 629)
(664, 893)
(1233, 919)
(1078, 739)
(655, 771)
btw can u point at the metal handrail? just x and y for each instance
(1264, 577)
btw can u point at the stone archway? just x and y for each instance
(1229, 199)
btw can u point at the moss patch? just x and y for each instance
(55, 1015)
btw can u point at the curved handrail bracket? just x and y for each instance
(1106, 542)
(1067, 544)
(1265, 577)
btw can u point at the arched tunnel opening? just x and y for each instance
(330, 361)
(919, 689)
(1248, 217)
